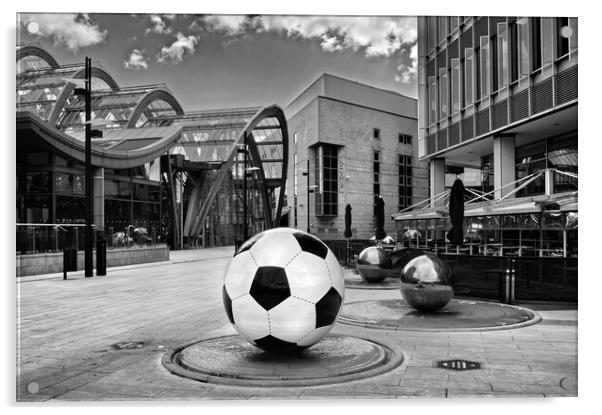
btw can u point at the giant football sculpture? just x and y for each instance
(283, 290)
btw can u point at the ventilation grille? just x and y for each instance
(519, 106)
(541, 96)
(499, 113)
(454, 134)
(493, 21)
(480, 27)
(466, 39)
(566, 85)
(431, 144)
(467, 128)
(483, 121)
(441, 139)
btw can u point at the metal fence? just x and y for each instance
(43, 238)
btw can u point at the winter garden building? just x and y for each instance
(160, 173)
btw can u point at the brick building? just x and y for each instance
(360, 142)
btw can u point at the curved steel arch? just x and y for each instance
(60, 102)
(154, 95)
(32, 50)
(267, 112)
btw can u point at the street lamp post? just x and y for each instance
(85, 89)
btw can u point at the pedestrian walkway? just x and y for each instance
(103, 338)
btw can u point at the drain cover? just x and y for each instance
(458, 364)
(127, 345)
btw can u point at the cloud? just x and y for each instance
(376, 36)
(74, 31)
(136, 60)
(158, 25)
(407, 72)
(183, 46)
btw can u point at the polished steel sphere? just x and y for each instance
(426, 283)
(373, 264)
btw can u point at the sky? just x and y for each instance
(225, 61)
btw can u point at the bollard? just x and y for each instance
(101, 256)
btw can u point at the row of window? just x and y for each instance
(517, 49)
(405, 181)
(402, 138)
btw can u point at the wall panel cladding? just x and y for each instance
(441, 139)
(441, 59)
(431, 143)
(519, 106)
(466, 40)
(454, 134)
(483, 121)
(499, 114)
(541, 96)
(467, 128)
(566, 85)
(431, 68)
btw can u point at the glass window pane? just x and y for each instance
(524, 47)
(433, 100)
(443, 97)
(502, 55)
(455, 85)
(468, 77)
(484, 65)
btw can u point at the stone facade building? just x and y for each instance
(359, 142)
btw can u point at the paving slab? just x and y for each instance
(66, 330)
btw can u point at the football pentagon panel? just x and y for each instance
(283, 290)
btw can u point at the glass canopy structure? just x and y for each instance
(190, 165)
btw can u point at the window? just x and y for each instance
(433, 102)
(376, 184)
(405, 181)
(376, 133)
(405, 139)
(536, 43)
(443, 98)
(295, 173)
(502, 55)
(468, 77)
(432, 32)
(442, 28)
(514, 51)
(484, 66)
(455, 85)
(523, 46)
(326, 178)
(454, 22)
(547, 40)
(562, 41)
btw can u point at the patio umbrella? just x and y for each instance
(347, 233)
(380, 218)
(456, 213)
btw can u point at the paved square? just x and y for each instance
(67, 329)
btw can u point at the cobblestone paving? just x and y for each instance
(66, 330)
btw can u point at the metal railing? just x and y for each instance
(36, 238)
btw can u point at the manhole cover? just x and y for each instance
(458, 364)
(127, 345)
(233, 361)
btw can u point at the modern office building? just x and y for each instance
(178, 175)
(357, 142)
(498, 108)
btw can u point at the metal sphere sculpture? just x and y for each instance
(373, 264)
(426, 283)
(283, 290)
